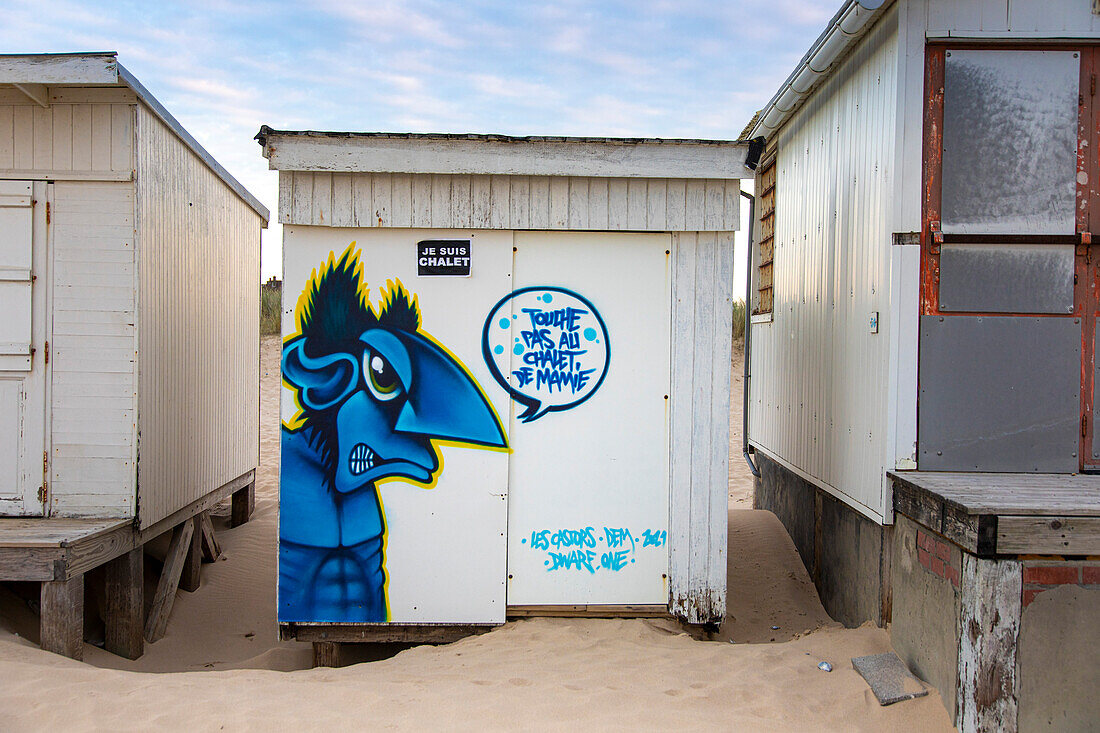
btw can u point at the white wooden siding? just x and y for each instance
(702, 312)
(87, 140)
(508, 202)
(199, 253)
(819, 393)
(92, 351)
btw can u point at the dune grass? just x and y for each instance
(739, 321)
(270, 305)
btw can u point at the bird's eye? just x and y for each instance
(381, 377)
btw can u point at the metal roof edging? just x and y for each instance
(850, 24)
(166, 117)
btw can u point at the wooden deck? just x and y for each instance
(992, 514)
(57, 552)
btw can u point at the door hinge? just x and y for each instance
(1092, 85)
(47, 351)
(45, 473)
(47, 212)
(42, 494)
(1084, 425)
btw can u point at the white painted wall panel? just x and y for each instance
(819, 392)
(1009, 18)
(702, 312)
(93, 393)
(89, 140)
(508, 202)
(198, 320)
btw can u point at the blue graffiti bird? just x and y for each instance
(374, 392)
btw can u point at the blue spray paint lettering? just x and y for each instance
(554, 372)
(654, 538)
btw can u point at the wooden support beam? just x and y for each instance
(61, 624)
(326, 654)
(37, 93)
(244, 503)
(211, 550)
(381, 633)
(178, 548)
(191, 575)
(125, 604)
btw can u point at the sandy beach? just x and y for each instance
(221, 665)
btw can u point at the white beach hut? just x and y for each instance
(129, 260)
(581, 287)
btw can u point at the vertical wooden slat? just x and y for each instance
(617, 204)
(460, 201)
(23, 134)
(540, 202)
(7, 136)
(302, 209)
(422, 200)
(343, 204)
(480, 202)
(597, 203)
(362, 199)
(401, 199)
(714, 212)
(101, 137)
(559, 202)
(191, 575)
(578, 203)
(381, 199)
(286, 195)
(683, 340)
(122, 137)
(42, 120)
(520, 203)
(695, 205)
(731, 218)
(62, 137)
(500, 205)
(656, 205)
(636, 192)
(441, 202)
(677, 204)
(82, 137)
(322, 200)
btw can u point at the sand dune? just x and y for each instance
(221, 665)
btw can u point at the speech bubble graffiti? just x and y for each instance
(548, 347)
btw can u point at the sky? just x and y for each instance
(636, 68)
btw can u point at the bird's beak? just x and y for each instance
(444, 401)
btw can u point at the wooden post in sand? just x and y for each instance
(211, 550)
(243, 504)
(62, 621)
(190, 576)
(125, 604)
(178, 549)
(326, 654)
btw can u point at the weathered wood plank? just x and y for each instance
(382, 633)
(191, 575)
(31, 563)
(244, 503)
(990, 624)
(165, 596)
(1048, 535)
(326, 654)
(211, 549)
(125, 589)
(1008, 494)
(62, 617)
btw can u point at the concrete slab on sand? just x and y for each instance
(889, 679)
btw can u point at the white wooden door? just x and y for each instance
(583, 346)
(22, 353)
(444, 546)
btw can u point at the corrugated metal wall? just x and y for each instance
(198, 327)
(93, 392)
(82, 133)
(1007, 18)
(819, 392)
(507, 202)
